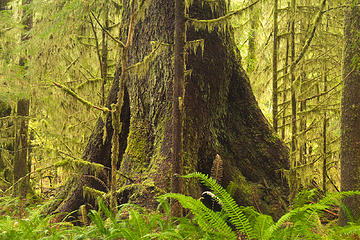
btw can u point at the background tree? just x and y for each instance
(318, 25)
(22, 163)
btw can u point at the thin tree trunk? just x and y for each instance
(104, 54)
(179, 80)
(285, 81)
(21, 164)
(294, 181)
(325, 120)
(275, 60)
(324, 133)
(21, 182)
(302, 132)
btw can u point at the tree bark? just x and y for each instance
(22, 184)
(179, 79)
(22, 165)
(350, 115)
(220, 116)
(275, 64)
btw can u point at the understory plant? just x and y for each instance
(236, 222)
(132, 222)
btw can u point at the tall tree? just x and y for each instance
(350, 114)
(179, 79)
(21, 161)
(21, 167)
(221, 116)
(275, 70)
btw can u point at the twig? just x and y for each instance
(308, 41)
(324, 93)
(97, 45)
(72, 63)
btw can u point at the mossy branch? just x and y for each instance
(92, 192)
(222, 18)
(76, 163)
(331, 89)
(312, 34)
(82, 100)
(97, 45)
(107, 32)
(81, 85)
(146, 59)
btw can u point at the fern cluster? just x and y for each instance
(302, 222)
(134, 222)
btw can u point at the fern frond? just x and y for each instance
(348, 230)
(164, 235)
(138, 223)
(217, 169)
(207, 219)
(308, 210)
(262, 223)
(98, 222)
(107, 211)
(237, 218)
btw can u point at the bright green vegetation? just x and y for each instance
(304, 221)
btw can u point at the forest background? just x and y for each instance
(58, 59)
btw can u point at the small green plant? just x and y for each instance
(28, 223)
(134, 222)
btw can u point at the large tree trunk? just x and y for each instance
(350, 115)
(220, 116)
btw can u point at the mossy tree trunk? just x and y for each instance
(6, 145)
(21, 164)
(220, 116)
(179, 79)
(350, 115)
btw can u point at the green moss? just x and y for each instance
(241, 189)
(138, 146)
(272, 137)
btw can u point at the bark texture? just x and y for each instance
(220, 116)
(21, 165)
(350, 116)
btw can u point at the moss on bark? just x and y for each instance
(220, 116)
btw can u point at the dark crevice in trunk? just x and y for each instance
(98, 151)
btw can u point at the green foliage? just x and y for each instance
(27, 223)
(207, 219)
(236, 215)
(133, 222)
(302, 222)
